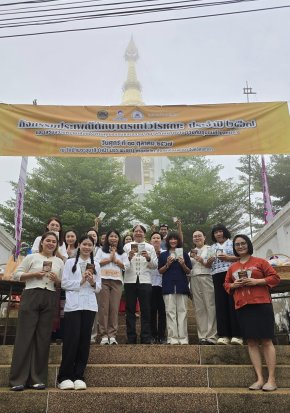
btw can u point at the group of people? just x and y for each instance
(229, 288)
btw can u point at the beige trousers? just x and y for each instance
(108, 301)
(204, 302)
(176, 318)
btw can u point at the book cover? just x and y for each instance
(193, 252)
(141, 247)
(90, 267)
(134, 248)
(219, 251)
(179, 252)
(46, 266)
(242, 274)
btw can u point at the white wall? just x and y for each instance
(6, 246)
(274, 237)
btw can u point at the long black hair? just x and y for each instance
(76, 243)
(173, 235)
(106, 246)
(83, 238)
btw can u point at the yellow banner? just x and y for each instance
(230, 129)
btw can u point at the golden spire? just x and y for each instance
(132, 88)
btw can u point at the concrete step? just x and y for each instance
(160, 354)
(144, 400)
(124, 354)
(122, 337)
(151, 375)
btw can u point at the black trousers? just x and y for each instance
(143, 293)
(158, 315)
(226, 317)
(76, 344)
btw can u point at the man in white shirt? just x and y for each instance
(137, 283)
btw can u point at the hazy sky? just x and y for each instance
(194, 61)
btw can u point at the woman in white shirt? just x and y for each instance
(53, 225)
(41, 273)
(81, 281)
(203, 290)
(113, 260)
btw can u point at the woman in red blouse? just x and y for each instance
(249, 280)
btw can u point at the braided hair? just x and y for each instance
(83, 238)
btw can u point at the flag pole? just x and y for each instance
(19, 204)
(18, 217)
(268, 209)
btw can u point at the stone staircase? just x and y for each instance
(154, 378)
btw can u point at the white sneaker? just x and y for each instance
(237, 341)
(80, 385)
(113, 340)
(223, 341)
(66, 385)
(105, 340)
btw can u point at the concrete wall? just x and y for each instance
(6, 246)
(275, 236)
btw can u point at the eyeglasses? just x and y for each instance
(240, 244)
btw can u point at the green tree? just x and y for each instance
(278, 172)
(251, 180)
(250, 167)
(193, 191)
(75, 190)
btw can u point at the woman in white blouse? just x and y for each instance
(81, 281)
(41, 273)
(113, 260)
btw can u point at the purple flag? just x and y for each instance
(19, 204)
(268, 211)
